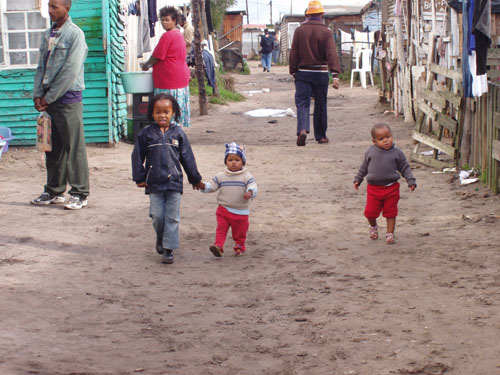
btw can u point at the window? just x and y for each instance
(291, 30)
(22, 27)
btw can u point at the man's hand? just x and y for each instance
(356, 186)
(199, 186)
(142, 184)
(413, 187)
(248, 195)
(336, 84)
(36, 102)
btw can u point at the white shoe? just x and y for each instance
(76, 202)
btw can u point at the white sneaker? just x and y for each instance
(76, 202)
(47, 198)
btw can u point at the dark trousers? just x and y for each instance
(309, 84)
(67, 162)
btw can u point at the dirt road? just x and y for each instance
(85, 293)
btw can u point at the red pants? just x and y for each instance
(239, 228)
(382, 199)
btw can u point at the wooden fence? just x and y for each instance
(485, 136)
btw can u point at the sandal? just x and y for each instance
(389, 238)
(374, 232)
(216, 250)
(239, 252)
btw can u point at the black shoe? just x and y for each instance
(301, 138)
(168, 256)
(264, 69)
(159, 245)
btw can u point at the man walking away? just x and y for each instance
(58, 91)
(312, 55)
(267, 45)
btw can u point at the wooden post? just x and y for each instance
(200, 73)
(402, 71)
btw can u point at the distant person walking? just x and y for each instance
(276, 49)
(266, 50)
(188, 33)
(312, 55)
(58, 90)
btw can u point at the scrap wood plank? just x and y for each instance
(451, 97)
(434, 143)
(448, 73)
(497, 120)
(433, 97)
(495, 150)
(430, 161)
(427, 110)
(447, 122)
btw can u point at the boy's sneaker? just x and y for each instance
(47, 198)
(76, 202)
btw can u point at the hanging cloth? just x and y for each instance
(152, 17)
(143, 38)
(481, 26)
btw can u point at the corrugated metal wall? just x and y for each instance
(16, 86)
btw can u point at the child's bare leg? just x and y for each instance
(373, 229)
(391, 224)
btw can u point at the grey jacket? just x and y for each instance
(62, 70)
(383, 167)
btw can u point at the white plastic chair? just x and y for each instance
(363, 66)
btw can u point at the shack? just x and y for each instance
(21, 26)
(337, 17)
(231, 39)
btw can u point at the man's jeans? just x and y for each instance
(266, 60)
(164, 209)
(314, 84)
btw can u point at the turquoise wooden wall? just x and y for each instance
(104, 116)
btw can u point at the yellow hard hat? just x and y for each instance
(315, 7)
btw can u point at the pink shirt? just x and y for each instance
(171, 72)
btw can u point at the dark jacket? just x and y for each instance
(266, 43)
(163, 154)
(313, 48)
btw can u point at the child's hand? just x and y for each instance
(356, 185)
(142, 184)
(199, 186)
(413, 187)
(248, 195)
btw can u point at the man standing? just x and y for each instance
(266, 50)
(188, 33)
(312, 55)
(58, 91)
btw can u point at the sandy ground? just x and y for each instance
(85, 293)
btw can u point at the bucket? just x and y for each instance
(137, 82)
(6, 136)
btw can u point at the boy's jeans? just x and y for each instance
(164, 209)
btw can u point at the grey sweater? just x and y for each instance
(383, 167)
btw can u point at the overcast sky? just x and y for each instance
(259, 10)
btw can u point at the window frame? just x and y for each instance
(290, 33)
(4, 34)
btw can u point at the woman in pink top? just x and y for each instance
(170, 71)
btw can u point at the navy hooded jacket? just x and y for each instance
(157, 159)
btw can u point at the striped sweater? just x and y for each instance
(232, 186)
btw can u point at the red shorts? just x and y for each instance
(382, 199)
